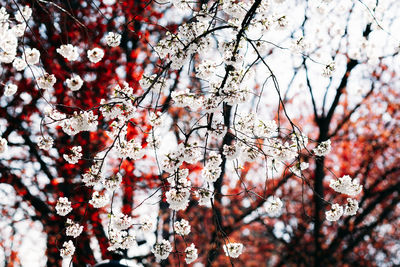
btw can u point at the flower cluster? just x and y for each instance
(191, 254)
(112, 182)
(93, 175)
(120, 239)
(9, 35)
(45, 142)
(233, 250)
(69, 52)
(346, 185)
(122, 221)
(63, 206)
(273, 206)
(73, 229)
(79, 122)
(182, 227)
(212, 169)
(334, 213)
(75, 156)
(95, 55)
(98, 200)
(146, 224)
(74, 83)
(162, 250)
(351, 207)
(299, 167)
(180, 46)
(178, 199)
(129, 149)
(204, 196)
(323, 148)
(46, 81)
(67, 250)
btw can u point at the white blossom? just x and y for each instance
(273, 206)
(162, 250)
(9, 42)
(171, 162)
(147, 223)
(95, 55)
(204, 196)
(191, 153)
(93, 176)
(235, 9)
(245, 123)
(351, 207)
(334, 213)
(230, 151)
(98, 200)
(113, 39)
(23, 14)
(211, 173)
(19, 64)
(123, 92)
(300, 45)
(282, 22)
(182, 227)
(129, 149)
(233, 250)
(4, 16)
(121, 239)
(185, 99)
(69, 52)
(155, 119)
(265, 129)
(45, 142)
(191, 254)
(84, 121)
(122, 221)
(210, 103)
(75, 155)
(32, 56)
(63, 206)
(46, 81)
(299, 139)
(323, 148)
(7, 57)
(153, 140)
(53, 114)
(112, 182)
(281, 151)
(74, 83)
(73, 229)
(178, 199)
(67, 250)
(10, 89)
(214, 159)
(179, 179)
(346, 185)
(299, 167)
(248, 152)
(19, 29)
(206, 69)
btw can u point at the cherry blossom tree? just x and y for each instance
(215, 132)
